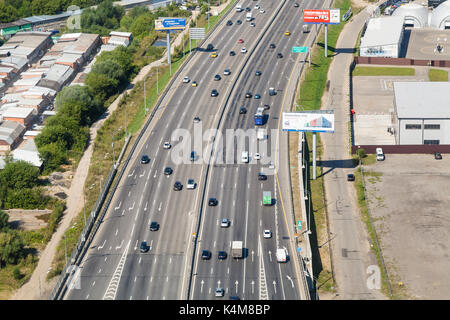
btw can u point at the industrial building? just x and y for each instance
(414, 15)
(382, 37)
(10, 135)
(421, 112)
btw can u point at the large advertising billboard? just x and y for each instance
(170, 24)
(326, 16)
(309, 121)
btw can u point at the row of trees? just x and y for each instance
(11, 10)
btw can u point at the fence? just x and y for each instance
(404, 148)
(402, 61)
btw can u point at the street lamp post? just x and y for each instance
(112, 145)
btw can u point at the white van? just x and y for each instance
(380, 154)
(260, 134)
(244, 157)
(239, 8)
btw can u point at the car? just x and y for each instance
(240, 41)
(224, 223)
(219, 292)
(214, 55)
(267, 234)
(279, 55)
(238, 22)
(296, 5)
(221, 255)
(234, 298)
(266, 107)
(214, 93)
(262, 176)
(227, 72)
(144, 247)
(190, 184)
(257, 96)
(167, 145)
(244, 50)
(242, 110)
(229, 23)
(193, 156)
(168, 171)
(287, 33)
(145, 159)
(257, 7)
(248, 9)
(272, 46)
(177, 186)
(350, 177)
(210, 47)
(212, 202)
(257, 156)
(248, 95)
(232, 53)
(258, 73)
(217, 77)
(437, 156)
(154, 226)
(261, 11)
(196, 119)
(186, 79)
(252, 24)
(206, 254)
(194, 83)
(272, 92)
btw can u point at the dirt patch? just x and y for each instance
(28, 219)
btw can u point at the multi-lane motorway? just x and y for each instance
(114, 267)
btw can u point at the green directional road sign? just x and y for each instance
(300, 49)
(299, 225)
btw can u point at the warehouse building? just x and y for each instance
(10, 135)
(382, 38)
(414, 15)
(421, 112)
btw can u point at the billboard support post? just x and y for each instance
(314, 155)
(326, 40)
(168, 52)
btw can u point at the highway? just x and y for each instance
(239, 192)
(114, 268)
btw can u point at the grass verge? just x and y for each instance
(383, 71)
(437, 75)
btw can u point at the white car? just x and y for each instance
(261, 11)
(219, 292)
(186, 80)
(257, 156)
(227, 72)
(190, 184)
(167, 145)
(252, 24)
(257, 7)
(267, 234)
(225, 223)
(244, 50)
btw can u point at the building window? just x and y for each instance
(431, 142)
(433, 126)
(413, 126)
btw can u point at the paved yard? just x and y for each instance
(409, 203)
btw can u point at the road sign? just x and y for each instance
(299, 225)
(197, 33)
(167, 24)
(300, 49)
(328, 16)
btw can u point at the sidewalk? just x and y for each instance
(37, 285)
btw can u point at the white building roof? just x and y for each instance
(120, 34)
(17, 112)
(28, 152)
(422, 100)
(382, 31)
(440, 15)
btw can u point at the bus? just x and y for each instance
(259, 116)
(267, 198)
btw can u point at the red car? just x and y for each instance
(240, 41)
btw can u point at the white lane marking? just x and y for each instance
(99, 270)
(118, 207)
(160, 206)
(145, 209)
(87, 297)
(132, 230)
(129, 193)
(141, 175)
(131, 174)
(140, 259)
(135, 246)
(111, 291)
(93, 283)
(118, 247)
(117, 231)
(154, 176)
(131, 208)
(101, 247)
(123, 212)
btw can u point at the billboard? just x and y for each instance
(326, 16)
(170, 24)
(309, 121)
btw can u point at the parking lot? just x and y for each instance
(409, 205)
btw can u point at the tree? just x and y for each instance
(19, 175)
(122, 56)
(11, 247)
(8, 13)
(52, 156)
(141, 26)
(105, 79)
(4, 221)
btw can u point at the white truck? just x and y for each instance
(236, 249)
(239, 8)
(281, 255)
(249, 16)
(261, 134)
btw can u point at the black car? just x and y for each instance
(210, 47)
(257, 96)
(212, 202)
(168, 171)
(232, 53)
(214, 93)
(248, 95)
(145, 159)
(229, 23)
(266, 107)
(234, 298)
(258, 73)
(242, 110)
(262, 176)
(296, 5)
(350, 177)
(154, 226)
(177, 186)
(217, 77)
(248, 9)
(238, 22)
(437, 156)
(222, 255)
(272, 46)
(193, 156)
(144, 246)
(279, 55)
(206, 254)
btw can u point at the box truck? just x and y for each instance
(236, 249)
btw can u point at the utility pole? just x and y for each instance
(145, 99)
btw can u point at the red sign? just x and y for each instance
(330, 16)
